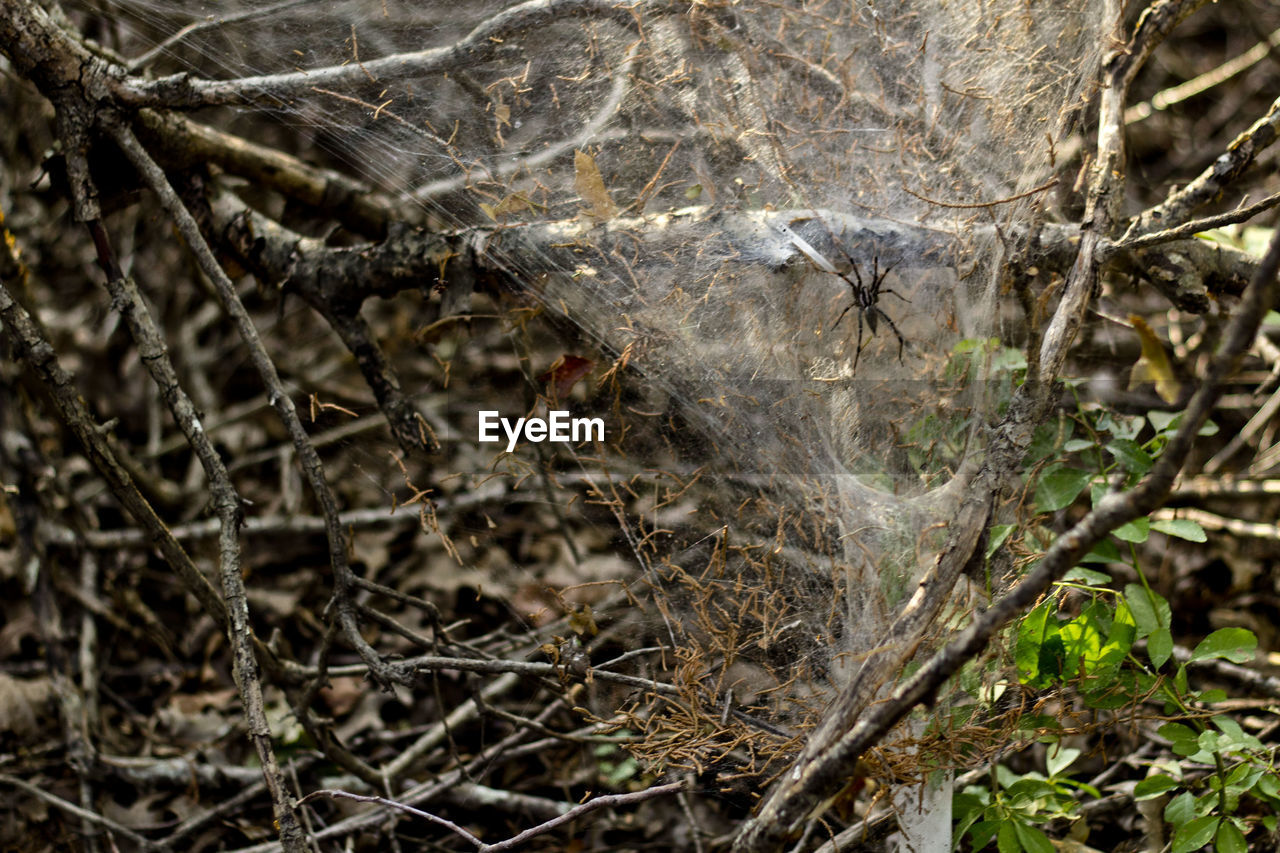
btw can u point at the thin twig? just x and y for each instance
(83, 814)
(276, 394)
(32, 347)
(1190, 229)
(607, 801)
(1202, 83)
(211, 22)
(973, 205)
(480, 44)
(392, 804)
(1209, 184)
(153, 353)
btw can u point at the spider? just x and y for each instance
(867, 300)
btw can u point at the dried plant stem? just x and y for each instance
(84, 814)
(276, 394)
(184, 92)
(594, 804)
(1190, 229)
(33, 348)
(153, 352)
(1209, 184)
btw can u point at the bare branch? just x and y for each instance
(182, 92)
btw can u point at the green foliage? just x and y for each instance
(937, 443)
(1115, 648)
(1010, 809)
(615, 766)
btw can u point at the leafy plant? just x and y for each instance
(1009, 810)
(1100, 652)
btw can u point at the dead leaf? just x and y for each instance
(582, 622)
(565, 372)
(1154, 364)
(514, 203)
(590, 185)
(22, 702)
(342, 694)
(8, 527)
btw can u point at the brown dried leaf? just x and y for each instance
(582, 622)
(8, 528)
(1154, 364)
(590, 185)
(565, 372)
(22, 702)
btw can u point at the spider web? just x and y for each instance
(711, 175)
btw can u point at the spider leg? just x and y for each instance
(901, 341)
(877, 282)
(857, 353)
(848, 257)
(842, 313)
(853, 266)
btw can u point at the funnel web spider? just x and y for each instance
(866, 298)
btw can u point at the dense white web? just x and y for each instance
(725, 180)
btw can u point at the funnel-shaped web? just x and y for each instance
(729, 196)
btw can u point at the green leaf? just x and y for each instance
(1185, 740)
(1269, 785)
(1008, 359)
(1183, 528)
(1081, 644)
(1059, 487)
(1131, 455)
(972, 345)
(999, 533)
(1121, 636)
(1007, 839)
(1234, 736)
(1235, 644)
(1208, 741)
(1219, 236)
(1038, 651)
(1255, 239)
(1150, 609)
(1107, 698)
(1135, 531)
(1104, 552)
(1032, 839)
(966, 809)
(1087, 576)
(1046, 440)
(1195, 834)
(1060, 759)
(1160, 647)
(982, 832)
(1163, 421)
(1121, 426)
(1154, 786)
(1180, 809)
